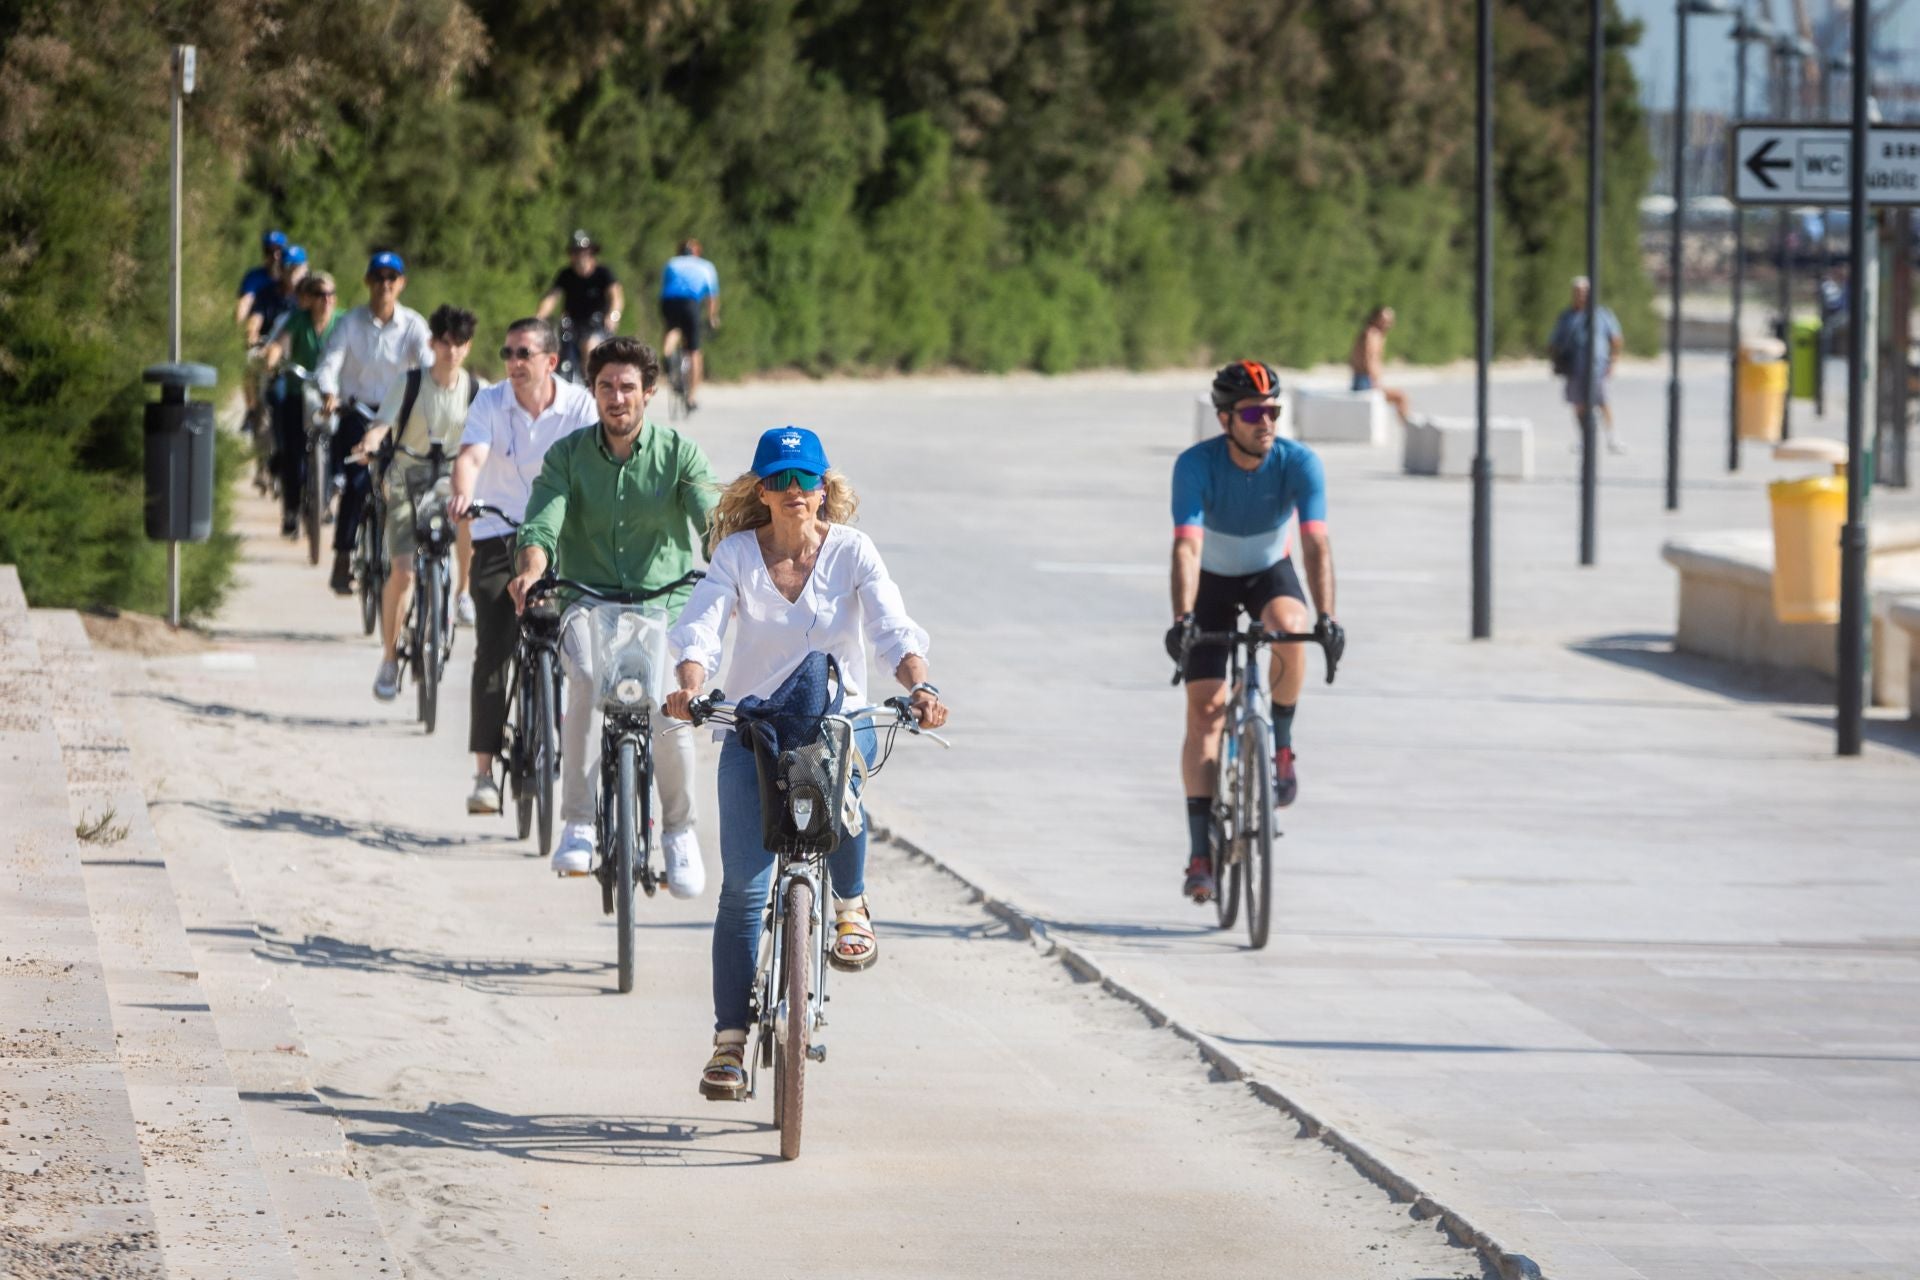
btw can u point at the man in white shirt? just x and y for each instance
(423, 407)
(509, 429)
(368, 349)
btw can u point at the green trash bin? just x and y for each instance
(1803, 360)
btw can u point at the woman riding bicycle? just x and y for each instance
(798, 578)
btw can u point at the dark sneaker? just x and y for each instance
(1200, 886)
(342, 581)
(1286, 785)
(290, 525)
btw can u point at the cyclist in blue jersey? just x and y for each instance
(258, 302)
(1232, 498)
(685, 282)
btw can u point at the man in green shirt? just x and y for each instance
(620, 506)
(298, 336)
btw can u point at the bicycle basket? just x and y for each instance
(429, 495)
(629, 654)
(804, 791)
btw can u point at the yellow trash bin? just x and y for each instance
(1762, 390)
(1807, 516)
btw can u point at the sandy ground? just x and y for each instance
(979, 1110)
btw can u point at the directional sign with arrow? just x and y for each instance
(1806, 164)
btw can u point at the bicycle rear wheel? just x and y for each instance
(366, 553)
(1256, 815)
(543, 741)
(516, 742)
(796, 1017)
(626, 831)
(313, 500)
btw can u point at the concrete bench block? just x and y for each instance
(1444, 447)
(1206, 423)
(1342, 417)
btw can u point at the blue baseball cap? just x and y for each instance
(273, 240)
(295, 256)
(785, 447)
(387, 260)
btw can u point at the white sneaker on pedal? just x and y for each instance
(686, 874)
(386, 685)
(574, 856)
(463, 609)
(485, 797)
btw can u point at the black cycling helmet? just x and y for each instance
(581, 240)
(1244, 380)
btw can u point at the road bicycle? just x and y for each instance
(529, 755)
(679, 364)
(628, 635)
(786, 1009)
(573, 345)
(316, 483)
(1240, 828)
(426, 637)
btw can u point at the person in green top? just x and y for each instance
(299, 337)
(620, 506)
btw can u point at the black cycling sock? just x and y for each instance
(1283, 726)
(1199, 813)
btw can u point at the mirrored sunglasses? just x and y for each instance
(781, 481)
(1255, 414)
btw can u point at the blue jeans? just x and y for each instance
(746, 877)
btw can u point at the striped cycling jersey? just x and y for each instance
(1241, 516)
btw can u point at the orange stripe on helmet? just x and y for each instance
(1258, 372)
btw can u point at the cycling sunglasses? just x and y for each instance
(384, 277)
(1255, 414)
(781, 481)
(520, 353)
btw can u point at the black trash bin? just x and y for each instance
(180, 454)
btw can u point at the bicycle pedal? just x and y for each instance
(817, 1052)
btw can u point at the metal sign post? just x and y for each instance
(1861, 159)
(183, 74)
(1483, 333)
(1596, 86)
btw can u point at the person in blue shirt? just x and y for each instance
(259, 301)
(687, 281)
(1233, 496)
(1586, 365)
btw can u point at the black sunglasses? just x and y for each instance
(520, 353)
(385, 277)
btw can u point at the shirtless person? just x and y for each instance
(1369, 351)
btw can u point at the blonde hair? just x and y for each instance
(739, 506)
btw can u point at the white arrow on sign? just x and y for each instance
(1810, 164)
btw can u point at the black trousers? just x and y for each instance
(496, 630)
(290, 429)
(353, 498)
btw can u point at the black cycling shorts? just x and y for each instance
(1219, 604)
(683, 314)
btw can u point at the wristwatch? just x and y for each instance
(924, 685)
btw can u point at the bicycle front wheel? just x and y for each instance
(626, 839)
(1256, 815)
(790, 1049)
(427, 646)
(542, 739)
(367, 552)
(1223, 834)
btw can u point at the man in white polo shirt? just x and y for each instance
(509, 429)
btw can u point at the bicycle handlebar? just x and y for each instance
(1253, 638)
(714, 705)
(475, 510)
(551, 584)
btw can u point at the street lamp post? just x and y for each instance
(1596, 86)
(1790, 53)
(1483, 328)
(1850, 664)
(1829, 68)
(1745, 32)
(1683, 9)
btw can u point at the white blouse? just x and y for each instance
(848, 603)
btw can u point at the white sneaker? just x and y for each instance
(686, 875)
(485, 797)
(574, 856)
(386, 685)
(463, 609)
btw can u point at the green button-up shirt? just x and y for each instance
(629, 526)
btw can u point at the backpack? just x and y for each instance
(413, 394)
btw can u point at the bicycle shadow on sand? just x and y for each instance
(386, 837)
(503, 976)
(554, 1138)
(227, 711)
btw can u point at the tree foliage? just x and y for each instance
(900, 184)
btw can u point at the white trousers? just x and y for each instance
(580, 740)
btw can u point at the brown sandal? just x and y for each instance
(854, 946)
(724, 1078)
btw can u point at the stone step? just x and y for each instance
(74, 1197)
(215, 1061)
